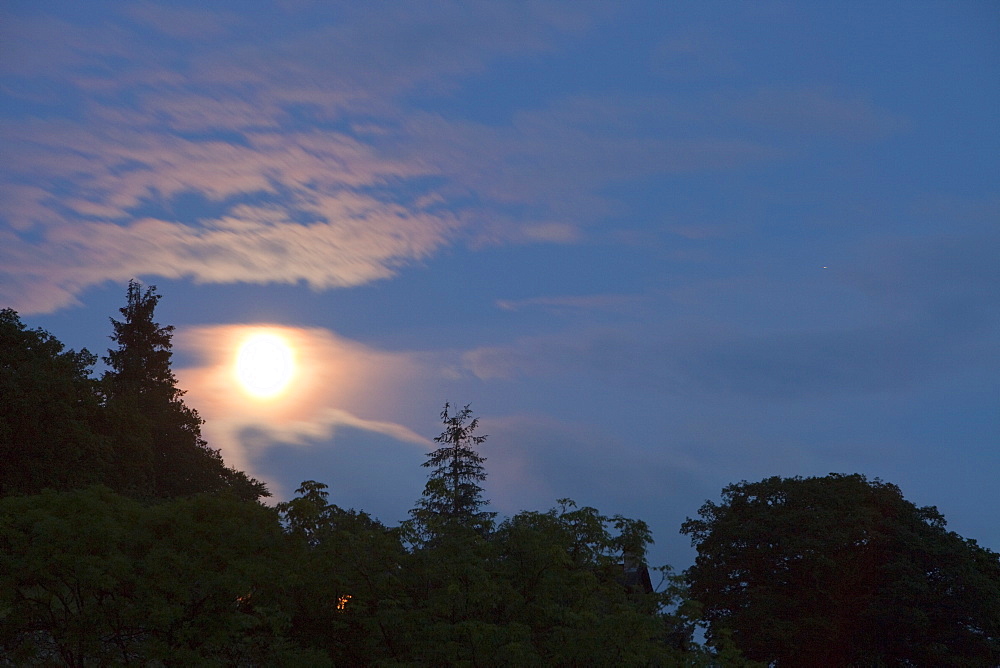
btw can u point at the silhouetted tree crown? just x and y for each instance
(140, 366)
(163, 453)
(50, 418)
(830, 571)
(453, 494)
(840, 570)
(131, 431)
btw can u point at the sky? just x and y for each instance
(659, 247)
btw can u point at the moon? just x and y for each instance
(265, 365)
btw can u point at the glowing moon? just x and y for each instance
(265, 365)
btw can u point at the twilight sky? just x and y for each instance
(659, 247)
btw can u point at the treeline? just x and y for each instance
(94, 578)
(124, 539)
(129, 430)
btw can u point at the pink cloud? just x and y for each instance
(337, 383)
(90, 234)
(248, 248)
(239, 119)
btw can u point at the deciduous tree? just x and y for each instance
(840, 570)
(345, 587)
(89, 577)
(49, 413)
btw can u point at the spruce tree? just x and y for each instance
(162, 451)
(453, 495)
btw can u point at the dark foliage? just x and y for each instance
(50, 420)
(60, 429)
(453, 495)
(171, 561)
(839, 571)
(163, 453)
(94, 578)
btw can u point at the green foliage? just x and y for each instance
(187, 569)
(542, 589)
(93, 578)
(49, 413)
(141, 364)
(60, 429)
(840, 570)
(565, 579)
(344, 588)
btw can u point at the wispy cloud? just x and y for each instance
(555, 162)
(895, 314)
(306, 159)
(338, 383)
(250, 124)
(570, 302)
(284, 208)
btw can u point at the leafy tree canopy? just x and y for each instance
(840, 570)
(49, 413)
(90, 577)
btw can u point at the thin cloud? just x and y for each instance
(819, 111)
(287, 209)
(555, 162)
(44, 277)
(337, 383)
(924, 317)
(570, 302)
(241, 124)
(291, 139)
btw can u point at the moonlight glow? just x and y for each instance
(265, 365)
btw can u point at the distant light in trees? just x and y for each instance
(342, 601)
(265, 365)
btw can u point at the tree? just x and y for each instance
(49, 413)
(163, 454)
(452, 495)
(345, 585)
(90, 577)
(564, 577)
(840, 570)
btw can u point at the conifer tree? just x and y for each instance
(453, 495)
(162, 449)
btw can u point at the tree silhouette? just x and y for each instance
(452, 495)
(49, 413)
(90, 577)
(163, 450)
(840, 570)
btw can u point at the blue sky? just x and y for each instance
(659, 247)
